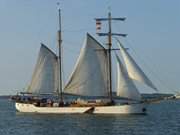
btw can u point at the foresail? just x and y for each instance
(125, 86)
(89, 77)
(44, 79)
(133, 69)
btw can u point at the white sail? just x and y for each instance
(89, 77)
(125, 86)
(133, 69)
(44, 79)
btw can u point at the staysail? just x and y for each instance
(133, 69)
(125, 86)
(89, 77)
(44, 79)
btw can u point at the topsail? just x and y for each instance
(133, 69)
(44, 79)
(89, 77)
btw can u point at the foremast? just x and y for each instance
(109, 34)
(60, 91)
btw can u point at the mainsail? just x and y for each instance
(44, 79)
(89, 77)
(125, 86)
(133, 69)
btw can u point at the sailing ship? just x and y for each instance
(91, 78)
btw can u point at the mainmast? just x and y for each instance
(60, 58)
(109, 34)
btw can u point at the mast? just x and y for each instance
(109, 56)
(109, 34)
(60, 58)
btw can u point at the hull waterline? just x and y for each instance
(30, 108)
(121, 109)
(113, 109)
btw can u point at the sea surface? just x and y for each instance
(162, 119)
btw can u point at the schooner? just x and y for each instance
(91, 77)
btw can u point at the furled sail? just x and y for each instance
(44, 79)
(89, 77)
(125, 86)
(133, 69)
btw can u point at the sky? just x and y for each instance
(152, 27)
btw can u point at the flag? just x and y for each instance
(98, 25)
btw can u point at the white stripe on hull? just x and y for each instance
(56, 110)
(115, 109)
(121, 109)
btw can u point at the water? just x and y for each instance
(162, 119)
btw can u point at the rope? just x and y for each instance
(78, 30)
